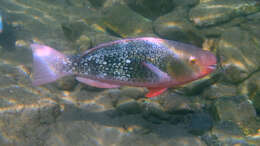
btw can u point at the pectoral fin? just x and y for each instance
(163, 76)
(155, 92)
(95, 83)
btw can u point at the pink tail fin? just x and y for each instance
(47, 64)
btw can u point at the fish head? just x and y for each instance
(207, 62)
(201, 63)
(191, 64)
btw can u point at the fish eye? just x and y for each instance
(192, 60)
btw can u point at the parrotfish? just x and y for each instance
(154, 63)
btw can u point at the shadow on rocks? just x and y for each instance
(161, 126)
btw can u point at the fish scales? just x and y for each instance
(124, 61)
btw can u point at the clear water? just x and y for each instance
(220, 109)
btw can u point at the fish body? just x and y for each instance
(144, 62)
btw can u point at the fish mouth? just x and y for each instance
(212, 67)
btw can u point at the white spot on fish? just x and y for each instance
(128, 61)
(104, 62)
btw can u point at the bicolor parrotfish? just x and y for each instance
(154, 63)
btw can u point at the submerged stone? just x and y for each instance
(99, 38)
(239, 54)
(225, 133)
(185, 3)
(123, 21)
(151, 8)
(237, 109)
(200, 123)
(83, 133)
(153, 112)
(129, 107)
(176, 104)
(74, 30)
(97, 3)
(253, 90)
(175, 26)
(219, 90)
(66, 83)
(229, 133)
(213, 12)
(27, 124)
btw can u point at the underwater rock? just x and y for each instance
(224, 133)
(213, 12)
(129, 107)
(15, 86)
(215, 32)
(252, 26)
(237, 109)
(66, 83)
(151, 8)
(253, 90)
(6, 81)
(13, 75)
(92, 38)
(153, 111)
(15, 94)
(175, 26)
(132, 92)
(27, 124)
(97, 3)
(152, 139)
(73, 30)
(83, 43)
(99, 38)
(109, 99)
(219, 90)
(82, 132)
(185, 3)
(200, 123)
(239, 54)
(174, 103)
(234, 74)
(254, 18)
(123, 21)
(229, 133)
(115, 97)
(32, 24)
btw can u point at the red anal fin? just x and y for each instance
(155, 92)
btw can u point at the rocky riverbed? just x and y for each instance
(221, 109)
